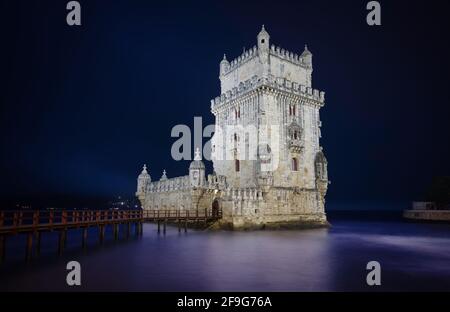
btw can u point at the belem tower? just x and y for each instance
(269, 167)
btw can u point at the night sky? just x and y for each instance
(83, 108)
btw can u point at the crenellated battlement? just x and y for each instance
(183, 184)
(279, 83)
(288, 56)
(276, 51)
(242, 59)
(168, 185)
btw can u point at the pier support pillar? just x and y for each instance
(2, 248)
(84, 237)
(65, 238)
(101, 233)
(128, 230)
(61, 241)
(29, 250)
(38, 243)
(116, 231)
(164, 226)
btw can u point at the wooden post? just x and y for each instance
(165, 222)
(20, 218)
(35, 218)
(50, 220)
(38, 243)
(179, 221)
(29, 248)
(84, 238)
(101, 233)
(61, 242)
(15, 219)
(2, 248)
(186, 221)
(116, 231)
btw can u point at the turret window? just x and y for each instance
(237, 113)
(294, 164)
(237, 165)
(292, 110)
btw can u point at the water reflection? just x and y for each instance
(413, 257)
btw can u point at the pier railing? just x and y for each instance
(33, 223)
(200, 214)
(41, 220)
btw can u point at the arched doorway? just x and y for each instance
(215, 208)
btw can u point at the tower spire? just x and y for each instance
(197, 154)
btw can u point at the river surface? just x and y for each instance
(413, 256)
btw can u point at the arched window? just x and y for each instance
(237, 165)
(294, 164)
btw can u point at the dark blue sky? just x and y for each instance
(82, 108)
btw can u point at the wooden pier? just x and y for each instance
(34, 223)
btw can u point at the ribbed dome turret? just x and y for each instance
(197, 163)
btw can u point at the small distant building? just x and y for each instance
(426, 211)
(423, 206)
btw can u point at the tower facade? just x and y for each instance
(267, 137)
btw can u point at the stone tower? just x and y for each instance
(267, 136)
(269, 167)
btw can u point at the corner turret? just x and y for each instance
(197, 170)
(224, 65)
(263, 39)
(263, 50)
(142, 182)
(307, 57)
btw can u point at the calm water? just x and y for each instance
(413, 257)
